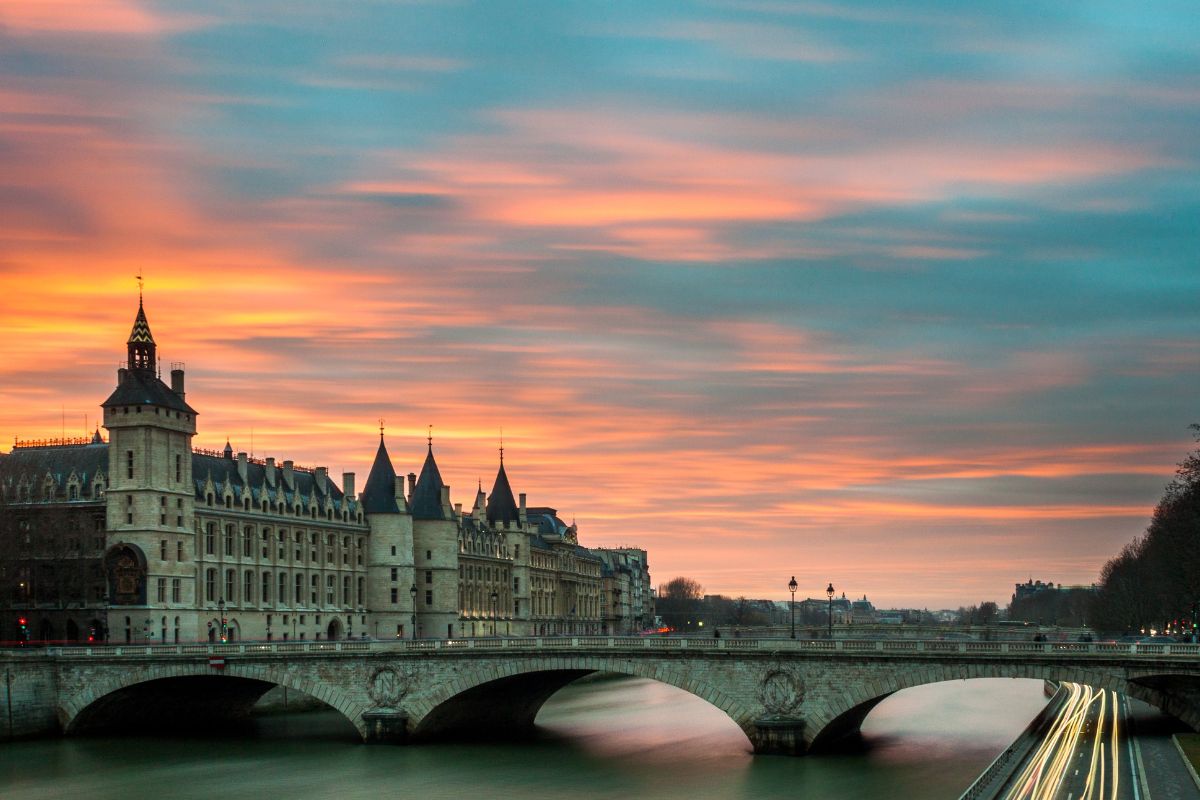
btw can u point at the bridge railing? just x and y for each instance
(851, 647)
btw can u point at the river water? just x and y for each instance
(625, 738)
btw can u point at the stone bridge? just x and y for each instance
(788, 696)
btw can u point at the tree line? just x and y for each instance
(1154, 582)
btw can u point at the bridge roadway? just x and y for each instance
(788, 696)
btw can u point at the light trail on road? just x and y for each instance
(1083, 729)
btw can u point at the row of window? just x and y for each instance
(318, 549)
(259, 590)
(298, 508)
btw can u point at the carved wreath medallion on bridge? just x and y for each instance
(782, 691)
(387, 687)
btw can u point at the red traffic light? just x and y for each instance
(22, 621)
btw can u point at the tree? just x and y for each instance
(1155, 580)
(679, 601)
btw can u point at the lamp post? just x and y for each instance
(413, 594)
(495, 597)
(224, 625)
(792, 588)
(829, 591)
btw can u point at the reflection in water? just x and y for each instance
(623, 738)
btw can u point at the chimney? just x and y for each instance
(122, 375)
(398, 491)
(177, 382)
(288, 480)
(348, 484)
(445, 502)
(521, 510)
(320, 474)
(412, 485)
(242, 466)
(270, 472)
(458, 510)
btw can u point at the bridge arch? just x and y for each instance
(75, 710)
(843, 715)
(507, 695)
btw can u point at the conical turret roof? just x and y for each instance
(140, 334)
(379, 495)
(501, 507)
(427, 495)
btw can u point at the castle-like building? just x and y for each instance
(144, 538)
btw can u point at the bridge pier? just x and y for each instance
(779, 736)
(385, 726)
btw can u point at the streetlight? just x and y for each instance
(829, 591)
(495, 597)
(792, 588)
(413, 594)
(224, 627)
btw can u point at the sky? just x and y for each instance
(900, 297)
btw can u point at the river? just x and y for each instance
(625, 738)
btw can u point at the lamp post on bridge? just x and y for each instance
(224, 622)
(829, 591)
(792, 588)
(413, 594)
(495, 597)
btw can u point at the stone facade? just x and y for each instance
(148, 539)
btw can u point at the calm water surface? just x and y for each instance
(625, 738)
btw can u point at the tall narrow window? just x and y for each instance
(266, 587)
(210, 585)
(175, 590)
(129, 463)
(178, 468)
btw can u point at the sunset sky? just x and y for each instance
(897, 296)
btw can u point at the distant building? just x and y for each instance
(1051, 604)
(862, 612)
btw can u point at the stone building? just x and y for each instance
(147, 538)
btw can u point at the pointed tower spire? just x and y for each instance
(501, 507)
(427, 494)
(379, 495)
(141, 347)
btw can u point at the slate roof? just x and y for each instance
(379, 493)
(140, 388)
(86, 461)
(500, 504)
(224, 471)
(427, 494)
